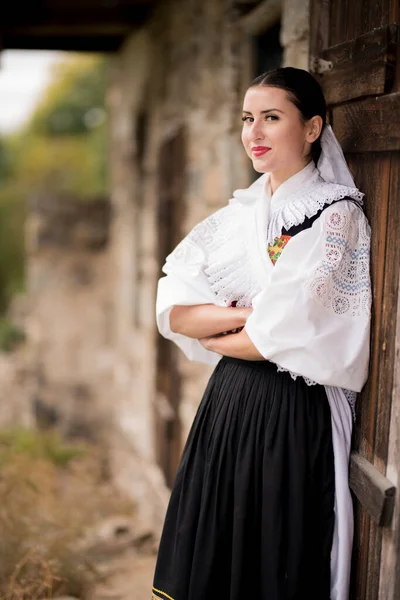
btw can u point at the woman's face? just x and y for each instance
(274, 136)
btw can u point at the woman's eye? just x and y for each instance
(248, 119)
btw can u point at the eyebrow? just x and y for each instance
(264, 111)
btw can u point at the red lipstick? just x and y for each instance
(260, 150)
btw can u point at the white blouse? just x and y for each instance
(311, 309)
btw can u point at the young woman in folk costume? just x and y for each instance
(274, 290)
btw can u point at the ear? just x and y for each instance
(314, 128)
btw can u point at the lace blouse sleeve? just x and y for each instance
(313, 317)
(341, 282)
(186, 284)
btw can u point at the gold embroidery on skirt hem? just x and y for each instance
(165, 596)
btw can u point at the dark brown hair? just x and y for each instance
(303, 90)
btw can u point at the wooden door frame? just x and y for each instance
(389, 582)
(375, 492)
(167, 423)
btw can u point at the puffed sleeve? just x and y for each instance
(186, 284)
(313, 317)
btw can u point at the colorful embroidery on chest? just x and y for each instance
(276, 249)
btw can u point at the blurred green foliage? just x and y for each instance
(37, 445)
(62, 148)
(10, 335)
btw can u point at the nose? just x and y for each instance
(257, 132)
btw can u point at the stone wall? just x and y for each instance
(185, 71)
(295, 33)
(69, 317)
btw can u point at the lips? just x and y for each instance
(260, 150)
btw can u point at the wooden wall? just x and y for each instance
(358, 42)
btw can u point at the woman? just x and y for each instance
(277, 284)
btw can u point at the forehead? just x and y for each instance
(263, 97)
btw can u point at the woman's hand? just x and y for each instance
(235, 345)
(205, 320)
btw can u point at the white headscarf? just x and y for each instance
(332, 164)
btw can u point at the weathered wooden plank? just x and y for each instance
(373, 562)
(262, 17)
(350, 19)
(371, 173)
(362, 522)
(375, 492)
(319, 26)
(386, 264)
(390, 563)
(361, 67)
(387, 340)
(371, 125)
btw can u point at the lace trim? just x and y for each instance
(341, 282)
(296, 375)
(190, 254)
(218, 247)
(229, 270)
(308, 204)
(351, 396)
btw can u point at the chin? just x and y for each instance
(260, 168)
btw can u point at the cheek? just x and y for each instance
(244, 138)
(288, 137)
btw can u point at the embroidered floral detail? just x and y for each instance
(307, 204)
(276, 249)
(341, 281)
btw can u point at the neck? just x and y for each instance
(278, 177)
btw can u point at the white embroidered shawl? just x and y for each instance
(312, 308)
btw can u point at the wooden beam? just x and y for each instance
(20, 11)
(262, 17)
(63, 29)
(105, 43)
(373, 490)
(31, 19)
(72, 27)
(361, 67)
(371, 125)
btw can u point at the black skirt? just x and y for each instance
(251, 513)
